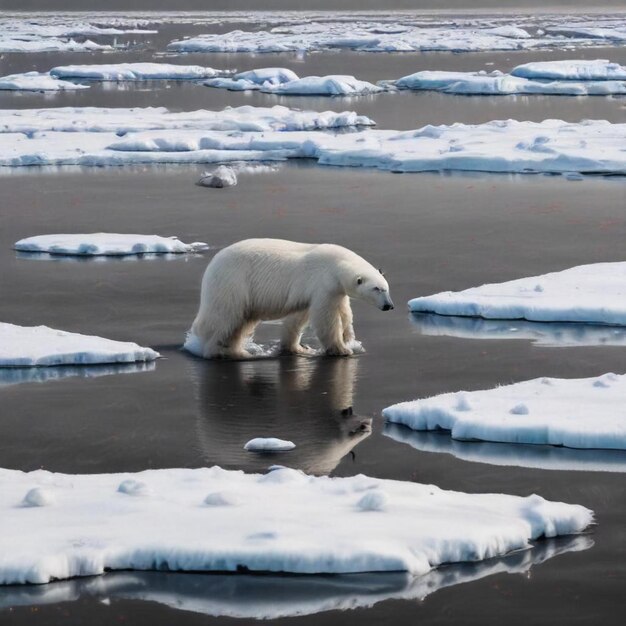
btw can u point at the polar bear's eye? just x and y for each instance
(376, 289)
(359, 281)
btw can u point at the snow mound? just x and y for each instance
(332, 85)
(499, 84)
(34, 81)
(510, 454)
(135, 71)
(29, 346)
(593, 293)
(310, 527)
(576, 413)
(269, 444)
(38, 496)
(107, 244)
(223, 176)
(598, 69)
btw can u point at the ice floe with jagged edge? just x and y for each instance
(532, 456)
(126, 120)
(277, 81)
(18, 375)
(94, 526)
(106, 244)
(552, 146)
(40, 346)
(575, 413)
(136, 72)
(594, 293)
(35, 81)
(575, 70)
(543, 334)
(500, 84)
(273, 597)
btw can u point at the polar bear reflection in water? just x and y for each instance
(307, 401)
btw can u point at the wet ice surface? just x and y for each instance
(446, 232)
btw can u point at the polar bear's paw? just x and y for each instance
(339, 351)
(300, 350)
(356, 346)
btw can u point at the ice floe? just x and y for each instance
(593, 293)
(135, 72)
(113, 137)
(544, 334)
(308, 529)
(577, 69)
(28, 346)
(277, 83)
(269, 444)
(273, 596)
(499, 84)
(35, 81)
(531, 456)
(107, 244)
(576, 413)
(219, 178)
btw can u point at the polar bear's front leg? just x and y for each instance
(291, 334)
(328, 326)
(345, 311)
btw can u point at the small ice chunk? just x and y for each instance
(519, 409)
(134, 488)
(219, 178)
(221, 498)
(38, 496)
(269, 444)
(373, 500)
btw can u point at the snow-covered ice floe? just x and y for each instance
(127, 136)
(593, 293)
(135, 72)
(543, 334)
(576, 413)
(30, 346)
(107, 244)
(34, 81)
(221, 177)
(500, 84)
(277, 81)
(133, 521)
(269, 444)
(575, 70)
(542, 457)
(272, 596)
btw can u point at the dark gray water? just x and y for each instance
(429, 232)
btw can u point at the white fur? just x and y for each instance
(268, 279)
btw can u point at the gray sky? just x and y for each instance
(190, 5)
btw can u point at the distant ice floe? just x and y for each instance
(94, 137)
(285, 82)
(594, 70)
(269, 444)
(406, 33)
(308, 529)
(107, 244)
(223, 176)
(30, 346)
(594, 293)
(34, 81)
(543, 334)
(499, 84)
(575, 413)
(272, 597)
(135, 72)
(531, 456)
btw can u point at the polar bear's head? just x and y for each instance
(371, 286)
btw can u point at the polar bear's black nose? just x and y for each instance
(388, 307)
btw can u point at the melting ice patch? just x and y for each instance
(576, 413)
(595, 70)
(135, 72)
(309, 529)
(254, 79)
(593, 293)
(28, 346)
(34, 81)
(106, 244)
(499, 84)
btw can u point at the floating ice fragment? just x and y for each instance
(223, 176)
(269, 444)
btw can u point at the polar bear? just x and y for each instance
(269, 279)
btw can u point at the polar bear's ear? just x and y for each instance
(359, 280)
